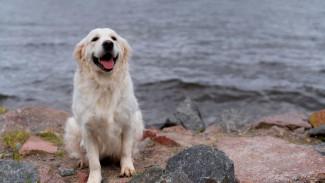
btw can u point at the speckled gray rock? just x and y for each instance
(188, 115)
(320, 148)
(66, 172)
(174, 177)
(157, 175)
(319, 131)
(202, 161)
(12, 171)
(150, 175)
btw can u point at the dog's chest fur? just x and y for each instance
(101, 114)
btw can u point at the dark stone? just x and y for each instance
(152, 174)
(319, 131)
(188, 115)
(22, 172)
(66, 172)
(174, 177)
(202, 161)
(320, 148)
(104, 180)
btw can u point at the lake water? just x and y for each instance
(239, 60)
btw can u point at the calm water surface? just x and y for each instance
(239, 60)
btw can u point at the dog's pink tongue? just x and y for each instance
(108, 64)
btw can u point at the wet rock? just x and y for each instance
(82, 177)
(202, 161)
(268, 159)
(48, 175)
(188, 115)
(33, 118)
(152, 174)
(161, 139)
(320, 148)
(36, 144)
(317, 118)
(12, 171)
(233, 119)
(319, 131)
(66, 172)
(289, 120)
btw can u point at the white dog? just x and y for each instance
(107, 121)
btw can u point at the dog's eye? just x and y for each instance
(114, 38)
(95, 39)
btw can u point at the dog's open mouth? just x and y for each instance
(106, 62)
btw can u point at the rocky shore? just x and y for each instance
(282, 148)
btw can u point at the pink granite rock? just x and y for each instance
(33, 118)
(213, 129)
(289, 120)
(267, 159)
(49, 176)
(82, 177)
(161, 139)
(37, 144)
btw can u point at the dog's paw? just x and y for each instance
(127, 171)
(94, 177)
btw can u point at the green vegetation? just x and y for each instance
(51, 137)
(59, 153)
(51, 170)
(11, 138)
(3, 110)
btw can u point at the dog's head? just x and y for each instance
(103, 51)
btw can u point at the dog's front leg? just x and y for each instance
(127, 167)
(93, 158)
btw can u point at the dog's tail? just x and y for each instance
(72, 138)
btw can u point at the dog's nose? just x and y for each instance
(108, 45)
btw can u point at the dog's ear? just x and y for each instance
(79, 52)
(127, 51)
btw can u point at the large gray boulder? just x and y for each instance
(188, 115)
(22, 172)
(203, 162)
(319, 131)
(197, 164)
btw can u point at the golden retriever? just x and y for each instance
(107, 121)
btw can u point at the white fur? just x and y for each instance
(107, 121)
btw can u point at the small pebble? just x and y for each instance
(66, 172)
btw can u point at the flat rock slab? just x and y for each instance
(161, 139)
(36, 144)
(289, 120)
(33, 118)
(268, 159)
(12, 171)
